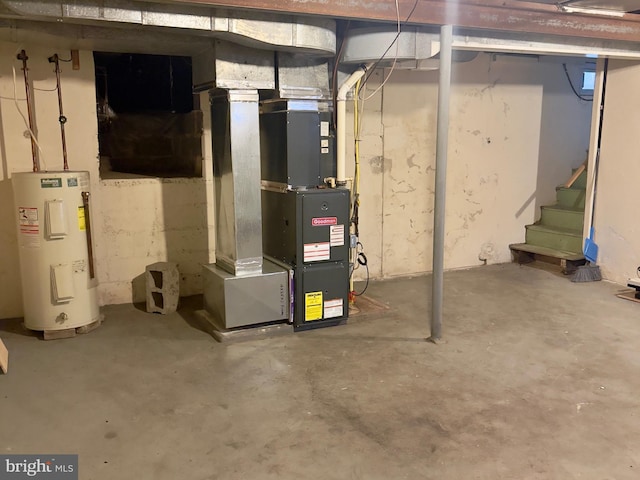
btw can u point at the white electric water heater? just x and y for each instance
(59, 286)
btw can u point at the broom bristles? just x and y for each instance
(587, 273)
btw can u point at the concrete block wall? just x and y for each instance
(144, 220)
(494, 186)
(15, 148)
(149, 220)
(137, 221)
(516, 130)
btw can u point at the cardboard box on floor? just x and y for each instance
(4, 358)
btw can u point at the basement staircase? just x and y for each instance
(557, 237)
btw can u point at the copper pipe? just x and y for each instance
(62, 119)
(34, 149)
(87, 225)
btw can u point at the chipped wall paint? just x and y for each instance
(516, 131)
(511, 143)
(136, 221)
(617, 230)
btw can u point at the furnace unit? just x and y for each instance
(305, 225)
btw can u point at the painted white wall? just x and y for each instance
(617, 230)
(15, 147)
(537, 131)
(136, 221)
(516, 131)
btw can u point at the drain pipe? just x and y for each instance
(341, 127)
(442, 139)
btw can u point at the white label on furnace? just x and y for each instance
(316, 252)
(333, 308)
(336, 235)
(324, 143)
(324, 129)
(324, 150)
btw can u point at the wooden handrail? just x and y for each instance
(575, 175)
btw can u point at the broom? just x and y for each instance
(591, 272)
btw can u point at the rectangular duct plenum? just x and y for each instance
(236, 169)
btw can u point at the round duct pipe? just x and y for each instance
(415, 49)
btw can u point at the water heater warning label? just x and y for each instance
(79, 266)
(312, 306)
(29, 226)
(82, 223)
(28, 216)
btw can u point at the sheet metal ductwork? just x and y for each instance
(416, 48)
(255, 29)
(413, 48)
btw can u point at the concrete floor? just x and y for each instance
(539, 379)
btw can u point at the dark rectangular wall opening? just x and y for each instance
(149, 123)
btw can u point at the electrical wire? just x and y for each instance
(361, 259)
(395, 58)
(581, 97)
(354, 199)
(360, 104)
(356, 151)
(46, 89)
(334, 76)
(395, 39)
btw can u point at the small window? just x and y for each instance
(588, 80)
(148, 119)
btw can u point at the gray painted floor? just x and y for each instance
(540, 379)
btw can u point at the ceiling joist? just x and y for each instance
(498, 15)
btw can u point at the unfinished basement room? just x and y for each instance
(319, 239)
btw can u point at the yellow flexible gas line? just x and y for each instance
(356, 137)
(355, 194)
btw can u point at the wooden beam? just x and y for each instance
(497, 15)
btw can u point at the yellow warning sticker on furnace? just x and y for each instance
(312, 306)
(82, 225)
